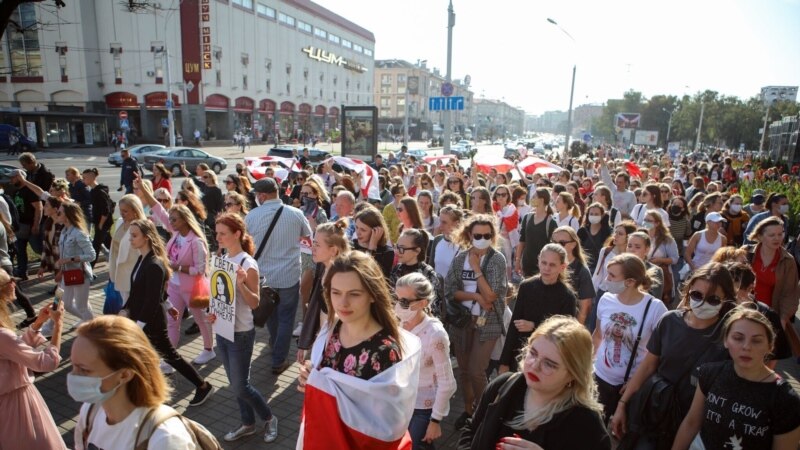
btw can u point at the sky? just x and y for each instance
(511, 52)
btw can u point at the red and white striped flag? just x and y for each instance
(369, 177)
(257, 166)
(532, 165)
(343, 412)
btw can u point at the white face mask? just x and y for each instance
(481, 244)
(703, 310)
(648, 225)
(405, 315)
(736, 208)
(85, 389)
(783, 209)
(614, 287)
(595, 219)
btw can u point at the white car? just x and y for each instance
(465, 143)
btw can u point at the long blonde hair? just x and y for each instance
(5, 316)
(574, 344)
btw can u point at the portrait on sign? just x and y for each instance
(222, 287)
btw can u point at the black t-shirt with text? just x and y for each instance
(744, 414)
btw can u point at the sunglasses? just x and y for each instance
(501, 194)
(230, 182)
(563, 243)
(486, 236)
(405, 303)
(228, 205)
(452, 181)
(163, 200)
(712, 300)
(402, 250)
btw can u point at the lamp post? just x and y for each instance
(571, 93)
(669, 123)
(451, 22)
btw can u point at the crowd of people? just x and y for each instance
(639, 304)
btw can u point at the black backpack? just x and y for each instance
(13, 211)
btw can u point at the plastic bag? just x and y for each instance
(201, 293)
(113, 303)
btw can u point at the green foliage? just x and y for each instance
(727, 121)
(790, 189)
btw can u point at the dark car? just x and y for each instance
(315, 155)
(137, 151)
(24, 144)
(192, 157)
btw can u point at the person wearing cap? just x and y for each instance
(777, 205)
(756, 204)
(704, 243)
(279, 263)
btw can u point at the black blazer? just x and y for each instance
(147, 292)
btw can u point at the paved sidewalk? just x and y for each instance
(220, 414)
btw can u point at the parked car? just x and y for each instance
(25, 143)
(315, 155)
(417, 153)
(465, 143)
(172, 160)
(459, 151)
(137, 151)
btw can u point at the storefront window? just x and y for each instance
(57, 133)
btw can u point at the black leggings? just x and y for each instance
(160, 341)
(101, 237)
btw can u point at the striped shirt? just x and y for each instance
(280, 260)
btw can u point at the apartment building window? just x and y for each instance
(358, 85)
(333, 38)
(247, 4)
(288, 69)
(266, 11)
(385, 101)
(386, 79)
(288, 88)
(305, 91)
(320, 33)
(357, 48)
(347, 44)
(401, 78)
(286, 19)
(268, 86)
(302, 26)
(386, 89)
(386, 112)
(334, 95)
(219, 77)
(320, 93)
(401, 101)
(26, 56)
(244, 82)
(368, 52)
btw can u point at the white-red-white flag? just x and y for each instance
(257, 166)
(345, 412)
(485, 162)
(370, 188)
(533, 164)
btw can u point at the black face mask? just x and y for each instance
(675, 210)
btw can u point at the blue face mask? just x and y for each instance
(85, 389)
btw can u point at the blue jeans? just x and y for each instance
(281, 323)
(591, 319)
(235, 358)
(417, 428)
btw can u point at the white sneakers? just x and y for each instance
(166, 369)
(204, 357)
(298, 329)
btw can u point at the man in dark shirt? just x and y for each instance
(29, 208)
(378, 164)
(37, 173)
(305, 158)
(129, 167)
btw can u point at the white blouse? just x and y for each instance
(436, 380)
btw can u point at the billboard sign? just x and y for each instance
(627, 120)
(645, 137)
(360, 132)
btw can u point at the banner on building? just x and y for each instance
(645, 137)
(627, 120)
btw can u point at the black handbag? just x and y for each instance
(459, 315)
(268, 298)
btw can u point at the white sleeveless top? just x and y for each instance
(705, 250)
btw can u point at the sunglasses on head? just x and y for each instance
(486, 236)
(712, 300)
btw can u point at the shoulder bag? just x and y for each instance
(268, 298)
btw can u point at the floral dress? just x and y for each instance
(363, 360)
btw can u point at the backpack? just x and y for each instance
(12, 211)
(201, 437)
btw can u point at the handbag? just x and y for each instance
(201, 294)
(268, 298)
(73, 277)
(459, 315)
(113, 301)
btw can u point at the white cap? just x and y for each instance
(715, 217)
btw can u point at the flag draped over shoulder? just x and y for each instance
(369, 177)
(345, 412)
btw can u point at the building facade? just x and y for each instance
(397, 82)
(498, 119)
(267, 67)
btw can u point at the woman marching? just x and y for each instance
(145, 303)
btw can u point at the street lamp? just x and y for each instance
(669, 124)
(571, 92)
